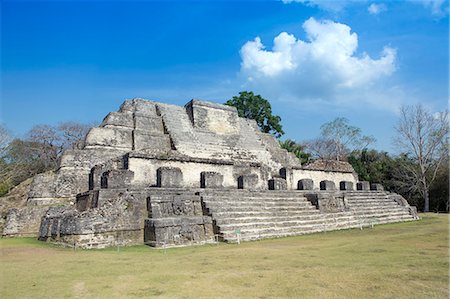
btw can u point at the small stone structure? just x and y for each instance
(166, 175)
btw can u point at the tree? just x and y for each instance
(5, 138)
(72, 134)
(423, 136)
(46, 144)
(40, 151)
(297, 149)
(337, 140)
(371, 165)
(256, 107)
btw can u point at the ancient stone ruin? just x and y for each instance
(166, 175)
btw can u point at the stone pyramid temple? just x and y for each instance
(166, 175)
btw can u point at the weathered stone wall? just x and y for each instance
(214, 118)
(24, 221)
(110, 217)
(145, 172)
(116, 218)
(317, 176)
(176, 219)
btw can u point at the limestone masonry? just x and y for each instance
(166, 175)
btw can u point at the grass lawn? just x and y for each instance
(404, 260)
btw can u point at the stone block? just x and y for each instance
(173, 205)
(277, 184)
(376, 187)
(212, 117)
(331, 203)
(178, 231)
(305, 184)
(119, 119)
(210, 179)
(345, 185)
(24, 221)
(327, 185)
(70, 182)
(151, 143)
(143, 107)
(117, 179)
(363, 186)
(248, 181)
(169, 177)
(43, 185)
(149, 124)
(117, 138)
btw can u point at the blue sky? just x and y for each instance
(313, 60)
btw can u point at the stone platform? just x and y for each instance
(166, 175)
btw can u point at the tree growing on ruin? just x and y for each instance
(422, 136)
(256, 107)
(338, 138)
(297, 149)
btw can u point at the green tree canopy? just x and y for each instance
(297, 149)
(256, 107)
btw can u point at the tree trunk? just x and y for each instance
(426, 197)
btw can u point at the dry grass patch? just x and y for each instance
(404, 260)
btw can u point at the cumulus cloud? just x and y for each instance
(324, 67)
(375, 9)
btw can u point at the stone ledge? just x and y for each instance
(182, 158)
(210, 105)
(177, 221)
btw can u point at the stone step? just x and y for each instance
(292, 208)
(381, 215)
(245, 226)
(363, 214)
(377, 209)
(374, 207)
(270, 218)
(241, 214)
(274, 232)
(257, 234)
(372, 201)
(267, 222)
(368, 199)
(255, 200)
(258, 203)
(239, 193)
(261, 209)
(366, 194)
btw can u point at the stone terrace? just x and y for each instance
(167, 175)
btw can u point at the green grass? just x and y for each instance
(404, 260)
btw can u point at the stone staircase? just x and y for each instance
(191, 141)
(269, 214)
(376, 207)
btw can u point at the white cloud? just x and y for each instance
(328, 5)
(325, 67)
(438, 7)
(375, 9)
